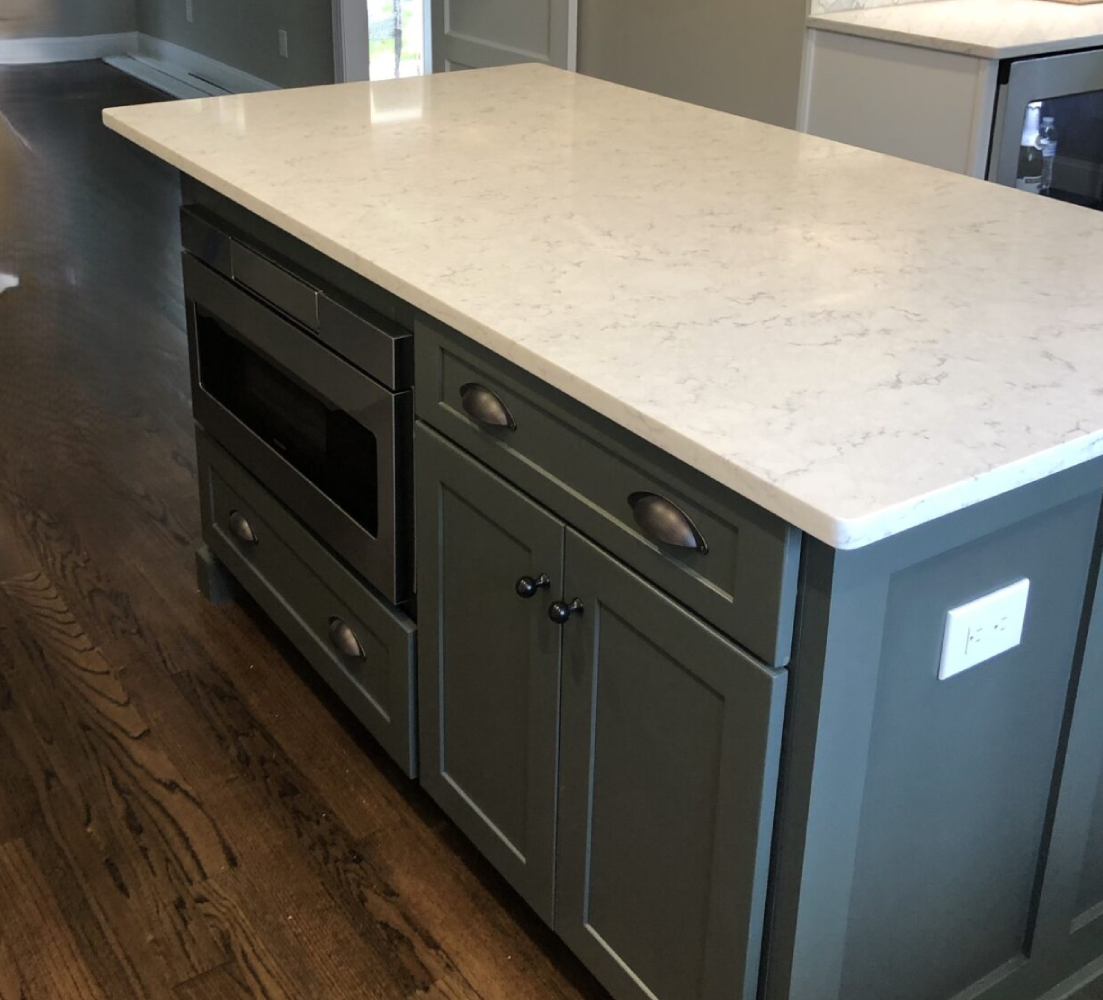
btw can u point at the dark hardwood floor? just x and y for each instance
(184, 811)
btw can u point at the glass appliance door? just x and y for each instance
(324, 443)
(1051, 107)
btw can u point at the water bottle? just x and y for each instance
(1047, 141)
(1029, 175)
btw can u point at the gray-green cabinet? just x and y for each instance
(668, 774)
(937, 840)
(489, 671)
(665, 736)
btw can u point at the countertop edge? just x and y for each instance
(838, 531)
(828, 22)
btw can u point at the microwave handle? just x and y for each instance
(298, 354)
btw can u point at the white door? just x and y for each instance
(472, 34)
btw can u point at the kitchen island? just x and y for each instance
(754, 412)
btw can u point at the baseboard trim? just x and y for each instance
(167, 82)
(196, 69)
(17, 51)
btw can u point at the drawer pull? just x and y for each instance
(344, 639)
(240, 526)
(484, 406)
(560, 611)
(527, 586)
(664, 521)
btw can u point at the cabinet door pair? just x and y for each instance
(619, 767)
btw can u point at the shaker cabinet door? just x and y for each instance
(489, 662)
(668, 777)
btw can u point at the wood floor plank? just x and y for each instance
(227, 982)
(408, 957)
(18, 812)
(286, 930)
(157, 840)
(452, 987)
(265, 963)
(82, 874)
(46, 962)
(12, 984)
(351, 772)
(15, 557)
(500, 948)
(104, 608)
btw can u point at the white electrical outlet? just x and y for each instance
(283, 43)
(983, 628)
(189, 11)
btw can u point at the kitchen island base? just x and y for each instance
(728, 767)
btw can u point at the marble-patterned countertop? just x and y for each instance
(990, 29)
(857, 343)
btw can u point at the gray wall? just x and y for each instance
(741, 56)
(64, 18)
(244, 34)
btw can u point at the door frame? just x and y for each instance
(351, 40)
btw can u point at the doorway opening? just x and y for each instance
(396, 38)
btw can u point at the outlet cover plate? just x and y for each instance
(981, 629)
(283, 43)
(189, 11)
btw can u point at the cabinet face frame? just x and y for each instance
(522, 849)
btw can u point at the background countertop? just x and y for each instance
(991, 29)
(857, 343)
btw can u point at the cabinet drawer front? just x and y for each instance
(670, 743)
(361, 647)
(728, 559)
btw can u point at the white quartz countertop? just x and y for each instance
(857, 343)
(991, 29)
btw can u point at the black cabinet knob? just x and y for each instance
(560, 611)
(527, 586)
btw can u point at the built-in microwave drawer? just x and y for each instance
(330, 442)
(373, 342)
(729, 560)
(362, 648)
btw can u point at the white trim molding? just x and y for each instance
(168, 79)
(183, 73)
(350, 40)
(175, 59)
(47, 50)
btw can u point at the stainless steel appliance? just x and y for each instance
(309, 391)
(1067, 88)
